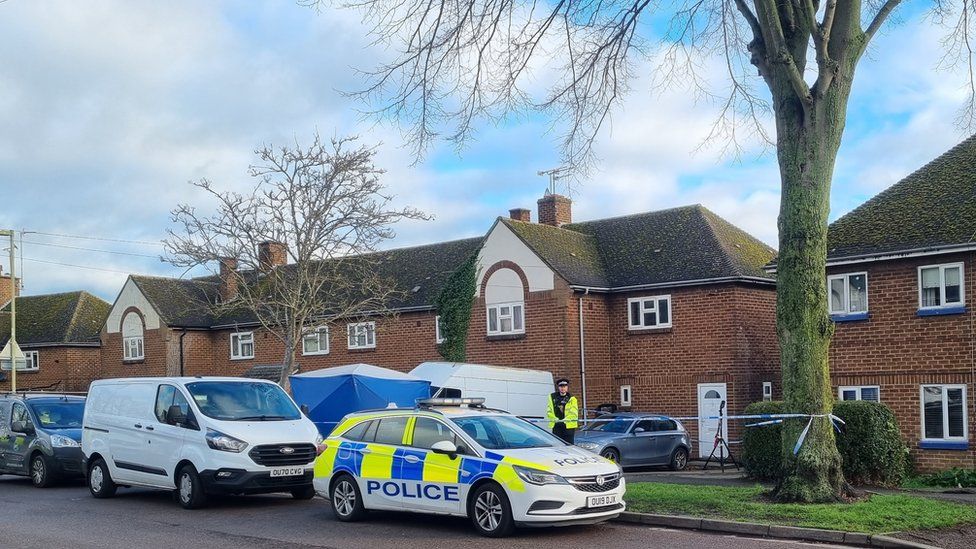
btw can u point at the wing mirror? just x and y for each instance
(638, 430)
(445, 447)
(21, 427)
(305, 410)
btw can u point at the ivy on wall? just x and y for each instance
(454, 307)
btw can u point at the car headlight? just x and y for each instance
(61, 441)
(224, 443)
(319, 439)
(591, 446)
(538, 477)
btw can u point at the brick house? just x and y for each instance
(59, 334)
(668, 311)
(900, 272)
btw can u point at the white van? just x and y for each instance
(198, 436)
(519, 391)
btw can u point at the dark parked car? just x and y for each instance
(634, 439)
(40, 436)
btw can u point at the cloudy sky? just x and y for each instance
(108, 109)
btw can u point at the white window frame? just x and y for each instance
(767, 391)
(133, 348)
(497, 307)
(945, 412)
(942, 286)
(236, 350)
(642, 300)
(318, 332)
(370, 331)
(438, 336)
(32, 362)
(858, 389)
(846, 277)
(626, 395)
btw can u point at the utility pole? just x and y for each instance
(13, 312)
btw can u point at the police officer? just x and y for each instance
(563, 412)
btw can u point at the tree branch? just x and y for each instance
(880, 18)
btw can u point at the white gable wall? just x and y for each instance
(504, 245)
(131, 296)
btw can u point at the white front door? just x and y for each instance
(710, 399)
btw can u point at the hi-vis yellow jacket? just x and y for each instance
(571, 417)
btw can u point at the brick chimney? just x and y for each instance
(520, 214)
(5, 288)
(272, 254)
(555, 210)
(228, 279)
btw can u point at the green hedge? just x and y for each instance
(761, 445)
(870, 446)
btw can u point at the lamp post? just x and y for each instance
(12, 344)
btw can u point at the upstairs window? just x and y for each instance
(848, 293)
(944, 412)
(316, 341)
(860, 392)
(505, 303)
(649, 312)
(940, 286)
(506, 318)
(362, 335)
(132, 342)
(438, 330)
(241, 345)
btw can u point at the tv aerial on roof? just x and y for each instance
(555, 174)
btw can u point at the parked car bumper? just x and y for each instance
(240, 481)
(69, 462)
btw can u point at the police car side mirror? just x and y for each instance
(446, 448)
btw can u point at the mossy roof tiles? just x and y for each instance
(50, 319)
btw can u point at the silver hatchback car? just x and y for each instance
(634, 439)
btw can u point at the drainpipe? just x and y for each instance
(582, 349)
(182, 335)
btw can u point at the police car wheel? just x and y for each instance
(347, 502)
(40, 471)
(679, 459)
(100, 483)
(189, 489)
(490, 511)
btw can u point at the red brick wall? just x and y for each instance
(899, 351)
(61, 368)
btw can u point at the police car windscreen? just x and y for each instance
(243, 401)
(59, 415)
(506, 433)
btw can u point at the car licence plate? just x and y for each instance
(287, 472)
(601, 501)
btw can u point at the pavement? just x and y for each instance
(68, 517)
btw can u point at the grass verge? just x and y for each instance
(876, 515)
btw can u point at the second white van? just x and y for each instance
(197, 436)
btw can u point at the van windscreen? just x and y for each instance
(62, 414)
(243, 401)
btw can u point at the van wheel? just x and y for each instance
(679, 459)
(490, 511)
(347, 501)
(100, 482)
(41, 473)
(189, 489)
(305, 492)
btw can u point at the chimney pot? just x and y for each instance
(520, 214)
(555, 210)
(272, 254)
(228, 278)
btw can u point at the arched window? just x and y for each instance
(505, 303)
(132, 345)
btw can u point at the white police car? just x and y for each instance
(455, 457)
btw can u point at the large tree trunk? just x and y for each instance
(288, 361)
(808, 140)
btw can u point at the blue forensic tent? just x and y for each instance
(331, 393)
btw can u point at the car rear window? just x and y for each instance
(390, 431)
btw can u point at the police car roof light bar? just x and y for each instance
(472, 402)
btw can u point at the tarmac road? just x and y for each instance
(68, 517)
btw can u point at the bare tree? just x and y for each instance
(460, 62)
(324, 206)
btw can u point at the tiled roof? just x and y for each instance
(66, 318)
(683, 244)
(270, 372)
(418, 273)
(931, 208)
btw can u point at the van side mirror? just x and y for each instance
(175, 416)
(21, 427)
(445, 447)
(304, 409)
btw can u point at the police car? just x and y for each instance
(456, 457)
